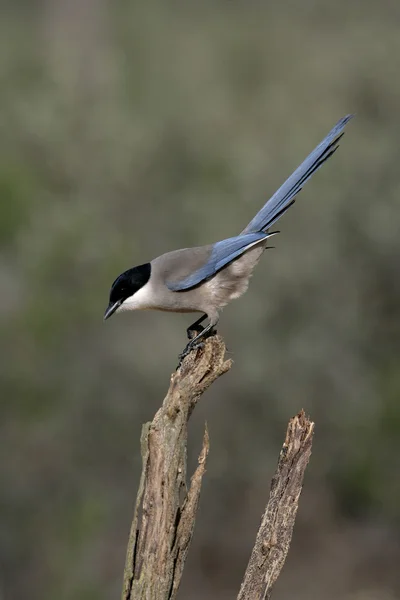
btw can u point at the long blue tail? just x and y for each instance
(286, 195)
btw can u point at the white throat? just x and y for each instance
(139, 301)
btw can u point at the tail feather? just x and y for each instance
(285, 196)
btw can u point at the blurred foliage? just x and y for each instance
(129, 129)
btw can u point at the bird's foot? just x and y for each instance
(188, 349)
(195, 343)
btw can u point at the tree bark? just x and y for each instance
(165, 510)
(275, 532)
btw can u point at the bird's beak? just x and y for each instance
(111, 308)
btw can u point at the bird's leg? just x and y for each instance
(194, 343)
(195, 327)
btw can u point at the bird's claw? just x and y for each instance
(188, 350)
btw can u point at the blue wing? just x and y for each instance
(285, 195)
(222, 253)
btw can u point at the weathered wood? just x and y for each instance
(165, 510)
(275, 532)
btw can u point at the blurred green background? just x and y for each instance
(129, 129)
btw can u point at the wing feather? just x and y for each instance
(222, 254)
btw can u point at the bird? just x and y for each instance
(204, 279)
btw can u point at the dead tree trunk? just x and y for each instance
(165, 511)
(275, 532)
